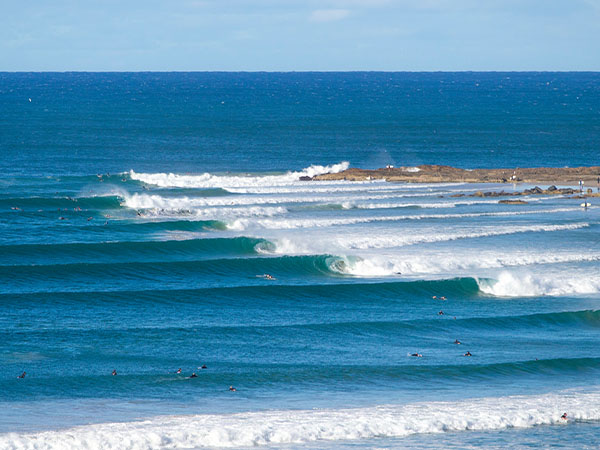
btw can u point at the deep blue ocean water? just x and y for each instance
(140, 213)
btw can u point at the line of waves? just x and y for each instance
(243, 224)
(281, 427)
(112, 251)
(289, 246)
(408, 327)
(208, 180)
(69, 277)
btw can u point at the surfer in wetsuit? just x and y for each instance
(22, 375)
(114, 372)
(232, 389)
(456, 341)
(468, 354)
(418, 355)
(193, 375)
(564, 416)
(178, 370)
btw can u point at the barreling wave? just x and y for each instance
(208, 180)
(281, 427)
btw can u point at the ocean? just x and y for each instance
(151, 222)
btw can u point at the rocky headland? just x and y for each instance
(448, 174)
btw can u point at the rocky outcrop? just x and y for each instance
(448, 174)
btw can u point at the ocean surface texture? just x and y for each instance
(155, 222)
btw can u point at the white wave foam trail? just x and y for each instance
(240, 225)
(208, 180)
(361, 242)
(143, 201)
(465, 265)
(511, 284)
(278, 428)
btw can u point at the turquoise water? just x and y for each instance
(139, 214)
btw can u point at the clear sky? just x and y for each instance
(286, 35)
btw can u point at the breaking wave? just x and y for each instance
(208, 180)
(276, 428)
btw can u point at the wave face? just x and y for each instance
(206, 245)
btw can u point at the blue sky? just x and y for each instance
(300, 35)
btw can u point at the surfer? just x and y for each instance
(441, 313)
(114, 372)
(434, 297)
(232, 389)
(178, 370)
(442, 298)
(193, 375)
(564, 416)
(204, 366)
(22, 375)
(468, 354)
(456, 341)
(418, 355)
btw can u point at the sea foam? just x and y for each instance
(280, 427)
(208, 180)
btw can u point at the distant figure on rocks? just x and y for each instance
(22, 375)
(114, 372)
(232, 389)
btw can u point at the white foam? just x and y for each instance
(511, 284)
(400, 240)
(461, 264)
(141, 201)
(276, 428)
(275, 224)
(208, 180)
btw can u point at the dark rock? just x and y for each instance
(305, 178)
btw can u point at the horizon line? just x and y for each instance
(301, 71)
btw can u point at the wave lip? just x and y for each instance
(208, 180)
(302, 426)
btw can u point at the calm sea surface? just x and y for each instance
(140, 214)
